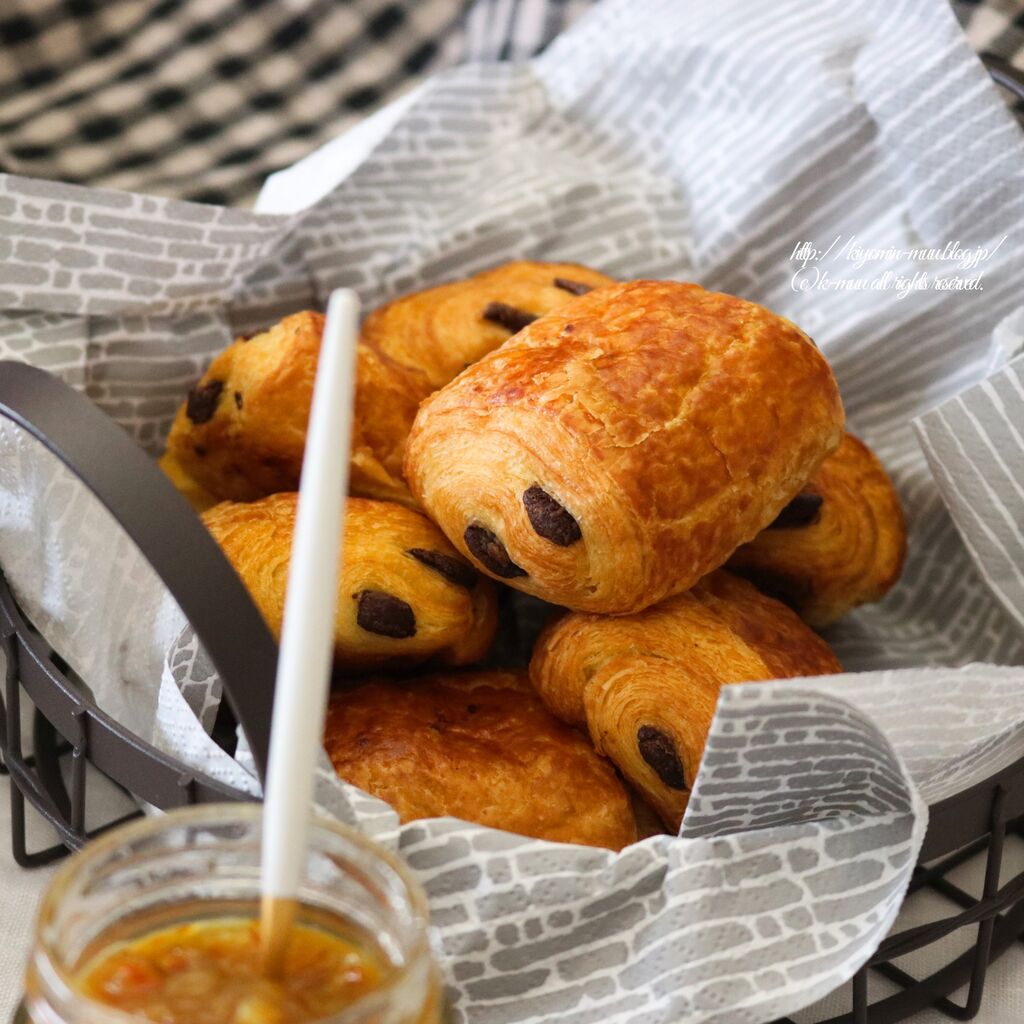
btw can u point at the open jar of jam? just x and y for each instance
(159, 921)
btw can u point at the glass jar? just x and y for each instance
(203, 863)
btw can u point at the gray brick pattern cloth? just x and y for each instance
(975, 446)
(701, 143)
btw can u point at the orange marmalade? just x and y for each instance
(208, 972)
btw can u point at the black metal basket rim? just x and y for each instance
(112, 748)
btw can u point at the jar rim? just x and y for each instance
(60, 978)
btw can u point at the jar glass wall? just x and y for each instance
(203, 864)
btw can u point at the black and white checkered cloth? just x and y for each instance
(202, 99)
(994, 27)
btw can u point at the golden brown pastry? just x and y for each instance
(405, 594)
(241, 433)
(648, 822)
(477, 746)
(198, 497)
(442, 330)
(621, 447)
(386, 401)
(841, 542)
(645, 686)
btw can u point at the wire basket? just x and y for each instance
(67, 725)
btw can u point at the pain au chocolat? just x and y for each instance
(838, 544)
(405, 595)
(440, 331)
(645, 686)
(196, 495)
(241, 433)
(478, 746)
(621, 447)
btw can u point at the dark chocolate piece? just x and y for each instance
(202, 401)
(489, 551)
(454, 570)
(238, 400)
(574, 287)
(504, 315)
(200, 450)
(803, 510)
(549, 519)
(385, 615)
(659, 752)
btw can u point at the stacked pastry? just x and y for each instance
(605, 447)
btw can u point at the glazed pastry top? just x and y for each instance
(405, 595)
(386, 401)
(840, 543)
(440, 331)
(480, 746)
(645, 686)
(619, 448)
(241, 433)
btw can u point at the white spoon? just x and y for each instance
(307, 632)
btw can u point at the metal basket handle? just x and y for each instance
(171, 537)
